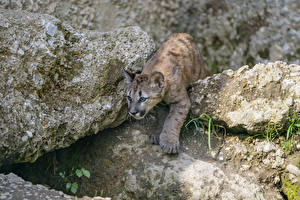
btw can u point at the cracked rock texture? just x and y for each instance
(250, 99)
(58, 84)
(229, 33)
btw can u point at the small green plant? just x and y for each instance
(271, 132)
(70, 185)
(291, 190)
(198, 122)
(288, 145)
(294, 127)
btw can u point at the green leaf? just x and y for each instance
(68, 185)
(74, 187)
(62, 174)
(78, 173)
(86, 172)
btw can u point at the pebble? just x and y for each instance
(280, 153)
(266, 161)
(293, 169)
(276, 179)
(3, 197)
(51, 29)
(245, 167)
(24, 138)
(21, 52)
(29, 133)
(269, 146)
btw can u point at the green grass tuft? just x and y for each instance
(294, 127)
(205, 122)
(271, 133)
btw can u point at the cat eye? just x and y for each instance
(129, 98)
(143, 99)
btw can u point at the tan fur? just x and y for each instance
(165, 77)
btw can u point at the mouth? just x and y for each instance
(136, 116)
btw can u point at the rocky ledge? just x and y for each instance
(13, 187)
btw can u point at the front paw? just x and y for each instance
(169, 143)
(154, 138)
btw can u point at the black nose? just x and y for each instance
(133, 113)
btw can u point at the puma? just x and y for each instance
(165, 77)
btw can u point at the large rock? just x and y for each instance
(58, 84)
(230, 33)
(13, 187)
(250, 99)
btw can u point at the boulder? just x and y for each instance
(229, 33)
(58, 84)
(14, 187)
(250, 99)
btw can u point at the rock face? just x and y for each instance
(230, 33)
(250, 99)
(58, 84)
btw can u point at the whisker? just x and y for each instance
(145, 120)
(129, 117)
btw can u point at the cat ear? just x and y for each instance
(128, 76)
(157, 81)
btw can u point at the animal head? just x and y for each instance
(144, 91)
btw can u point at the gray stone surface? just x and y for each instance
(58, 84)
(13, 187)
(229, 33)
(195, 178)
(250, 99)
